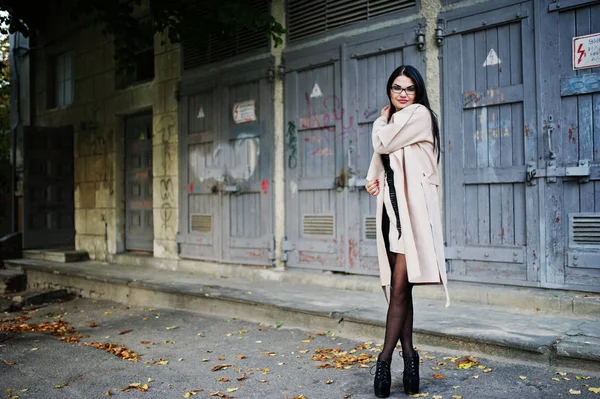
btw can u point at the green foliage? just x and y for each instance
(194, 20)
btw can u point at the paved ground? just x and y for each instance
(178, 351)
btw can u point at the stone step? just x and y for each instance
(12, 281)
(56, 255)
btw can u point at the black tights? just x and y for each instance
(399, 323)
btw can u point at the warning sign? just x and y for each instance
(492, 59)
(244, 111)
(316, 91)
(586, 51)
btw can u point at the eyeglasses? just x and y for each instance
(410, 90)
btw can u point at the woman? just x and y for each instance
(403, 175)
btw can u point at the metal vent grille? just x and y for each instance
(318, 225)
(585, 228)
(309, 17)
(218, 48)
(370, 228)
(201, 223)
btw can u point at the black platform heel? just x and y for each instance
(383, 379)
(410, 377)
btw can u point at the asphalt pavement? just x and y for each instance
(179, 353)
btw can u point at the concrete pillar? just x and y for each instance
(278, 12)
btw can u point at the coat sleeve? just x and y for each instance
(408, 126)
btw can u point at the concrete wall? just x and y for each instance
(97, 115)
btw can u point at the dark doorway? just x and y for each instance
(48, 205)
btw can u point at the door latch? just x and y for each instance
(531, 174)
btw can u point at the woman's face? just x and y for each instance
(403, 92)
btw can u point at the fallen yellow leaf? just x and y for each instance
(555, 379)
(240, 357)
(456, 396)
(172, 327)
(594, 390)
(188, 394)
(561, 373)
(487, 370)
(580, 377)
(436, 397)
(232, 389)
(574, 392)
(329, 382)
(522, 377)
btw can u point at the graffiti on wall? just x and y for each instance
(166, 208)
(292, 145)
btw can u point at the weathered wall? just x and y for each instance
(97, 116)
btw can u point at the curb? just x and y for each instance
(351, 323)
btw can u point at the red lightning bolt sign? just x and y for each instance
(581, 52)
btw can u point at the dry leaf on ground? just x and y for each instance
(125, 332)
(574, 392)
(219, 394)
(221, 367)
(137, 386)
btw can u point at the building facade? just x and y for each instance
(240, 152)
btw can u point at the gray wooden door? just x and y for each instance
(201, 173)
(139, 230)
(48, 205)
(315, 165)
(490, 138)
(570, 109)
(246, 147)
(369, 66)
(226, 145)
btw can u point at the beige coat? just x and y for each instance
(408, 138)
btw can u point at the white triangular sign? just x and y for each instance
(200, 112)
(492, 59)
(316, 91)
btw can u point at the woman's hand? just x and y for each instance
(373, 187)
(385, 112)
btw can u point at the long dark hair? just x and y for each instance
(420, 98)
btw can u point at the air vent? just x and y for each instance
(217, 48)
(201, 223)
(585, 228)
(310, 17)
(318, 225)
(370, 228)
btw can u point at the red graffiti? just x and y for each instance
(265, 186)
(334, 112)
(191, 187)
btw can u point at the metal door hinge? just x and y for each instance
(286, 246)
(439, 32)
(272, 256)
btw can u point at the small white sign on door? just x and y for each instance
(586, 51)
(316, 91)
(244, 111)
(200, 113)
(492, 59)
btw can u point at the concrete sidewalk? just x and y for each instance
(549, 327)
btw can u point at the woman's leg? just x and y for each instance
(400, 313)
